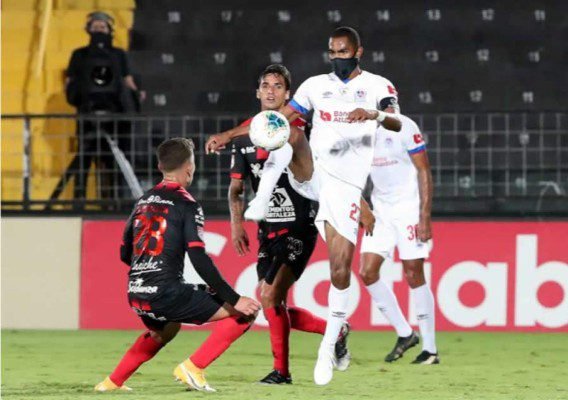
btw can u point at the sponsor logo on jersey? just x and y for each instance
(256, 170)
(418, 138)
(200, 217)
(327, 95)
(325, 116)
(360, 96)
(144, 267)
(280, 207)
(137, 287)
(248, 149)
(383, 162)
(155, 199)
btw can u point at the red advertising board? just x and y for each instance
(486, 276)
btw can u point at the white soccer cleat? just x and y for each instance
(323, 372)
(257, 210)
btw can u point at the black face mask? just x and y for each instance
(101, 39)
(343, 67)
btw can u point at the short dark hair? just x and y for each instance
(173, 153)
(277, 69)
(351, 34)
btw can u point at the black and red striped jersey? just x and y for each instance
(287, 209)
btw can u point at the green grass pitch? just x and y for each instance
(67, 364)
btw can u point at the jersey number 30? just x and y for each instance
(149, 228)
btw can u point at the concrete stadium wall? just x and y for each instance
(40, 273)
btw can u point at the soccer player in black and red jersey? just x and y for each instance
(166, 223)
(287, 236)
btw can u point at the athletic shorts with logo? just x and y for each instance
(396, 226)
(291, 248)
(186, 303)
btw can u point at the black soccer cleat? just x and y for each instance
(276, 378)
(342, 354)
(402, 344)
(427, 358)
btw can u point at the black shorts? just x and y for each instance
(186, 303)
(293, 249)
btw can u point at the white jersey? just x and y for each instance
(344, 150)
(393, 174)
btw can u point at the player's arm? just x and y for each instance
(237, 206)
(126, 247)
(367, 219)
(240, 170)
(426, 189)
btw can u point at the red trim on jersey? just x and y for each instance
(299, 122)
(246, 123)
(236, 175)
(280, 232)
(261, 154)
(177, 187)
(195, 244)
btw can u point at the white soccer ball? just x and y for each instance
(269, 130)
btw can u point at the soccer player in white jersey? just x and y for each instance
(345, 118)
(402, 203)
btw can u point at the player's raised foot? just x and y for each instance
(323, 371)
(257, 209)
(342, 354)
(108, 386)
(192, 376)
(276, 378)
(427, 358)
(402, 344)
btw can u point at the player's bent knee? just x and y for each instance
(369, 275)
(340, 276)
(269, 296)
(414, 273)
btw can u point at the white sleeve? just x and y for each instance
(301, 101)
(386, 92)
(411, 136)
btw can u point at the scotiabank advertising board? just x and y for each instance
(486, 276)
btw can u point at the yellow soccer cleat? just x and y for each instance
(192, 376)
(108, 386)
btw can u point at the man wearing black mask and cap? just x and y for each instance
(99, 81)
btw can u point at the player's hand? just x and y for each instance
(367, 221)
(424, 229)
(240, 239)
(361, 115)
(247, 306)
(216, 142)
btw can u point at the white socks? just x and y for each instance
(338, 301)
(426, 317)
(273, 168)
(386, 301)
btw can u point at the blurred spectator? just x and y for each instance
(99, 82)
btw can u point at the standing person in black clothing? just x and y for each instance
(99, 81)
(165, 224)
(287, 237)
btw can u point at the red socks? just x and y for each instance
(141, 351)
(226, 331)
(303, 320)
(279, 324)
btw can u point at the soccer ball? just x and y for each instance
(269, 130)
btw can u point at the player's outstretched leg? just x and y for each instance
(295, 154)
(386, 301)
(227, 330)
(146, 346)
(425, 310)
(340, 257)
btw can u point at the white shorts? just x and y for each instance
(339, 205)
(308, 189)
(396, 226)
